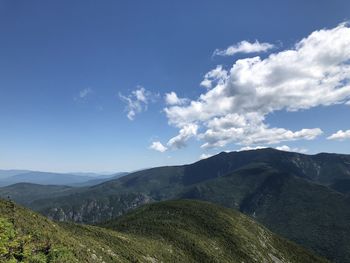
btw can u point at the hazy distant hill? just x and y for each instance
(9, 173)
(101, 179)
(175, 231)
(46, 178)
(291, 193)
(25, 193)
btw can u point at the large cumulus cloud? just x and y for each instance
(237, 100)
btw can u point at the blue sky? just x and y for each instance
(69, 72)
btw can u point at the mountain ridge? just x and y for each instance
(260, 183)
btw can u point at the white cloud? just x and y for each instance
(185, 133)
(206, 83)
(285, 148)
(137, 101)
(340, 135)
(249, 148)
(217, 75)
(315, 72)
(205, 156)
(244, 47)
(158, 146)
(348, 103)
(288, 149)
(179, 141)
(172, 99)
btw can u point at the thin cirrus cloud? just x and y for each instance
(84, 93)
(137, 101)
(340, 135)
(244, 47)
(233, 109)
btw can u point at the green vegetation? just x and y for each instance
(173, 231)
(208, 233)
(28, 237)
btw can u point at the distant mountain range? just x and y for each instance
(304, 198)
(8, 177)
(172, 231)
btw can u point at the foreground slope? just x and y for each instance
(173, 231)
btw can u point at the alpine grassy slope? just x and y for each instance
(172, 231)
(300, 197)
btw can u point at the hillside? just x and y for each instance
(186, 231)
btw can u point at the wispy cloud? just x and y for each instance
(84, 94)
(137, 101)
(244, 47)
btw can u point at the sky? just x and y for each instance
(123, 85)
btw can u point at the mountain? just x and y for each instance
(173, 231)
(294, 195)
